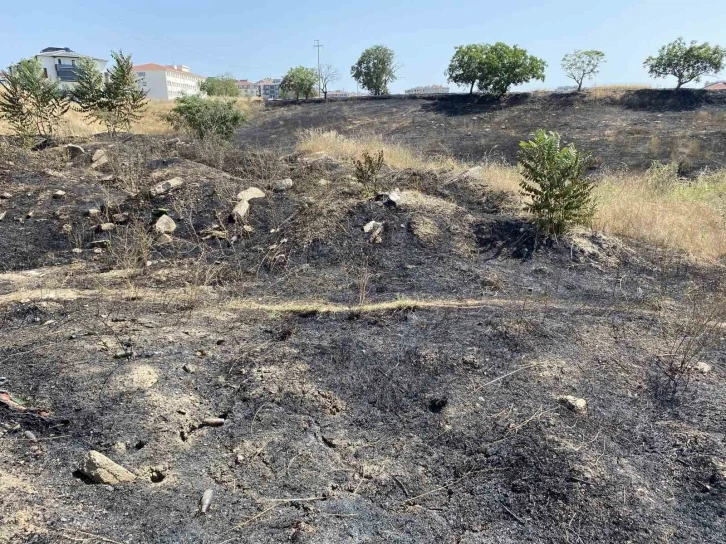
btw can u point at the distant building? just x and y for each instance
(268, 88)
(246, 88)
(61, 64)
(428, 89)
(167, 82)
(715, 86)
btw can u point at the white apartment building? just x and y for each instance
(246, 88)
(61, 64)
(167, 82)
(428, 89)
(268, 88)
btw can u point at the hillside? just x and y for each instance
(620, 128)
(336, 363)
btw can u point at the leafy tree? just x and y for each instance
(375, 69)
(224, 85)
(686, 62)
(299, 82)
(504, 65)
(553, 181)
(465, 65)
(582, 65)
(205, 118)
(30, 102)
(118, 101)
(328, 75)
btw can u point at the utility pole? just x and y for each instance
(318, 46)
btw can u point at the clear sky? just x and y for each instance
(255, 39)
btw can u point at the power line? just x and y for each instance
(317, 45)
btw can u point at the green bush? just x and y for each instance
(560, 196)
(205, 118)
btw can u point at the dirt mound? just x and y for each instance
(629, 129)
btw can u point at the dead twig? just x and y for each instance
(278, 502)
(515, 516)
(91, 535)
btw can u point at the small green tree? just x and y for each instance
(31, 103)
(686, 62)
(223, 85)
(553, 181)
(299, 82)
(504, 65)
(375, 69)
(582, 65)
(465, 65)
(205, 118)
(116, 102)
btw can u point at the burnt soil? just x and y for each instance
(404, 391)
(622, 129)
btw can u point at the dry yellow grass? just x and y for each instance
(75, 125)
(608, 91)
(345, 148)
(690, 217)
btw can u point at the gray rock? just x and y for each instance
(250, 193)
(5, 196)
(2, 215)
(120, 218)
(213, 422)
(166, 186)
(93, 212)
(74, 151)
(105, 227)
(164, 225)
(282, 185)
(240, 210)
(375, 229)
(100, 159)
(579, 406)
(98, 244)
(59, 194)
(101, 470)
(703, 368)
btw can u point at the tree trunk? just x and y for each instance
(471, 89)
(579, 86)
(679, 84)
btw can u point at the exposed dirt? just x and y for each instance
(627, 129)
(404, 391)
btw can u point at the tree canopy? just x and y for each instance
(686, 62)
(465, 65)
(494, 68)
(582, 65)
(31, 103)
(375, 69)
(299, 82)
(118, 101)
(223, 85)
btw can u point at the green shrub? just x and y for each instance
(560, 196)
(366, 171)
(117, 102)
(31, 103)
(205, 118)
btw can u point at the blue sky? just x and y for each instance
(256, 39)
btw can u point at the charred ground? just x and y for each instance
(403, 391)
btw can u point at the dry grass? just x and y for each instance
(75, 125)
(687, 216)
(609, 91)
(396, 156)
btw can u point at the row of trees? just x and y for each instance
(33, 104)
(495, 68)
